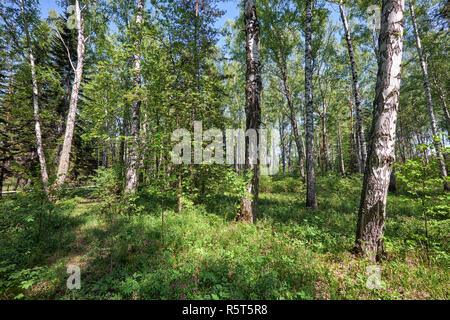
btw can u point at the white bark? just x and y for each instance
(37, 123)
(64, 159)
(253, 87)
(372, 211)
(311, 196)
(133, 155)
(426, 83)
(359, 117)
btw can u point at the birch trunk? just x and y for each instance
(37, 121)
(248, 211)
(281, 126)
(133, 155)
(372, 210)
(355, 85)
(323, 117)
(311, 196)
(64, 160)
(287, 93)
(2, 176)
(353, 153)
(341, 154)
(426, 83)
(444, 103)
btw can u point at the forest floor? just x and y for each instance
(290, 253)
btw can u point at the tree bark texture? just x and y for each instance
(381, 156)
(355, 85)
(133, 156)
(426, 84)
(311, 196)
(64, 160)
(253, 86)
(37, 122)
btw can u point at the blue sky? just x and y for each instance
(230, 7)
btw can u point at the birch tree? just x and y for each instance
(381, 156)
(429, 102)
(361, 143)
(64, 160)
(311, 196)
(133, 157)
(252, 109)
(37, 122)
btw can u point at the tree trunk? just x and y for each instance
(323, 117)
(372, 210)
(64, 160)
(2, 176)
(325, 138)
(444, 103)
(252, 109)
(133, 156)
(281, 125)
(355, 85)
(311, 196)
(392, 182)
(353, 153)
(289, 161)
(341, 153)
(298, 142)
(426, 83)
(37, 121)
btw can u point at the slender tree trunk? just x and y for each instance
(353, 153)
(289, 161)
(2, 176)
(37, 121)
(311, 196)
(252, 109)
(444, 103)
(323, 117)
(426, 83)
(282, 128)
(64, 161)
(355, 84)
(392, 182)
(298, 143)
(325, 138)
(341, 153)
(133, 156)
(372, 210)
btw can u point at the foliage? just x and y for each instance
(291, 253)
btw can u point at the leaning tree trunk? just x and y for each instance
(37, 121)
(311, 196)
(426, 83)
(133, 155)
(372, 210)
(355, 84)
(252, 109)
(64, 160)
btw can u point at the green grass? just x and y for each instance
(291, 253)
